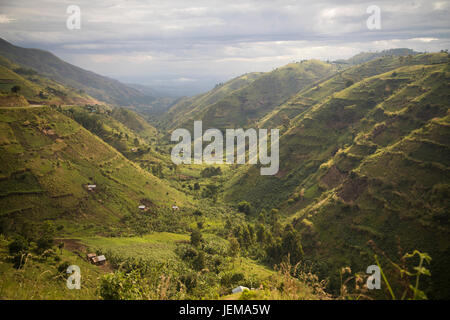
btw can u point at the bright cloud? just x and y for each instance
(210, 41)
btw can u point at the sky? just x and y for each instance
(195, 44)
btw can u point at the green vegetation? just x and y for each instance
(32, 61)
(17, 81)
(250, 101)
(364, 176)
(369, 160)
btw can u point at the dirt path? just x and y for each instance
(73, 245)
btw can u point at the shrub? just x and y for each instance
(120, 286)
(62, 267)
(18, 246)
(189, 280)
(244, 207)
(249, 295)
(44, 243)
(15, 89)
(196, 238)
(199, 261)
(211, 172)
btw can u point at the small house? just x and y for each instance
(142, 207)
(239, 289)
(91, 187)
(174, 208)
(99, 260)
(91, 256)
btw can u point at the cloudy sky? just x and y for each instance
(195, 44)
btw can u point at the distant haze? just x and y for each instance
(188, 47)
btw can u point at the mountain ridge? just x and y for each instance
(49, 65)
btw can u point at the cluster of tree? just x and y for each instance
(90, 122)
(244, 207)
(25, 71)
(210, 191)
(206, 271)
(157, 170)
(15, 89)
(32, 239)
(56, 92)
(211, 172)
(267, 240)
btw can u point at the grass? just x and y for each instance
(57, 159)
(158, 247)
(41, 280)
(387, 134)
(369, 158)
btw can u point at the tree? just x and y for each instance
(45, 241)
(199, 261)
(234, 247)
(246, 235)
(261, 233)
(189, 280)
(291, 244)
(196, 237)
(211, 191)
(18, 246)
(196, 186)
(273, 251)
(273, 216)
(210, 172)
(15, 89)
(158, 170)
(244, 207)
(61, 246)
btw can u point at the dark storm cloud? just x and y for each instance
(205, 41)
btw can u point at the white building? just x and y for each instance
(239, 289)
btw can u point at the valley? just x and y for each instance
(363, 179)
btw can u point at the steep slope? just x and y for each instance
(47, 161)
(36, 88)
(134, 121)
(281, 116)
(97, 86)
(175, 116)
(369, 162)
(245, 106)
(121, 128)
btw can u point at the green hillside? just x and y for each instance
(193, 105)
(368, 162)
(364, 170)
(245, 106)
(36, 88)
(121, 128)
(134, 121)
(97, 86)
(281, 117)
(47, 162)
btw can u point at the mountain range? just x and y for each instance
(364, 159)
